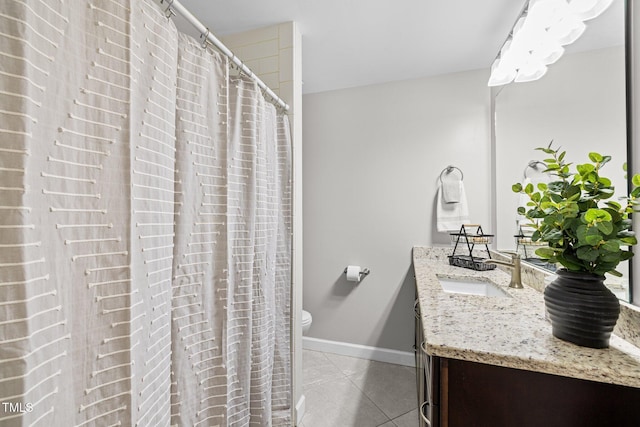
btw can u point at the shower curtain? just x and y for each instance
(144, 225)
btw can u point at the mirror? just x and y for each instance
(580, 104)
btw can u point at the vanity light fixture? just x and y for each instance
(538, 37)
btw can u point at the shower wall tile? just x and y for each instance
(247, 38)
(286, 65)
(285, 35)
(262, 49)
(270, 64)
(270, 53)
(271, 80)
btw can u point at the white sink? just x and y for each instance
(468, 286)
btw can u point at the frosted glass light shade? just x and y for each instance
(538, 35)
(512, 54)
(501, 74)
(547, 53)
(530, 72)
(588, 9)
(545, 13)
(567, 30)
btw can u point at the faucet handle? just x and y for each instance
(514, 255)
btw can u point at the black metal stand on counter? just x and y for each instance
(471, 240)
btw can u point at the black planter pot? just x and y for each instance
(581, 308)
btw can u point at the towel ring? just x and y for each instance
(533, 164)
(450, 169)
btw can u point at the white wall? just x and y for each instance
(371, 164)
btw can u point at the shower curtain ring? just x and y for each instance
(205, 37)
(168, 11)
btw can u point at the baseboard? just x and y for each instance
(362, 351)
(300, 408)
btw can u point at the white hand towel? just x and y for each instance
(451, 191)
(451, 216)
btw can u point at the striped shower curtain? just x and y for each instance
(144, 225)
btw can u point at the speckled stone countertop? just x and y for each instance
(510, 332)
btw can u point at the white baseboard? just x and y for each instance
(300, 408)
(362, 351)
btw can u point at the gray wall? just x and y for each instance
(580, 105)
(370, 170)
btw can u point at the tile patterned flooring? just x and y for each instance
(345, 391)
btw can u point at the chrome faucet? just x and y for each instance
(514, 265)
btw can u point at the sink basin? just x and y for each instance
(468, 286)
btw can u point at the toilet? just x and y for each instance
(306, 321)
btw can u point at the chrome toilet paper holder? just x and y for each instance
(363, 273)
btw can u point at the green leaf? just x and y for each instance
(595, 157)
(561, 156)
(616, 218)
(611, 246)
(610, 257)
(570, 262)
(571, 191)
(552, 236)
(625, 255)
(605, 182)
(635, 180)
(614, 205)
(587, 253)
(605, 227)
(542, 186)
(597, 215)
(555, 198)
(581, 233)
(545, 253)
(528, 189)
(630, 241)
(605, 193)
(585, 169)
(516, 188)
(593, 239)
(588, 235)
(556, 186)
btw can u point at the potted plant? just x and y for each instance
(589, 234)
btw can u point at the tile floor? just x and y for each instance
(345, 391)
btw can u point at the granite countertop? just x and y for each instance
(510, 332)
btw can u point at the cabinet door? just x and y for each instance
(479, 395)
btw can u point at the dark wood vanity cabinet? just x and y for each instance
(458, 393)
(469, 394)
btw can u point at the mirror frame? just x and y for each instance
(632, 89)
(632, 56)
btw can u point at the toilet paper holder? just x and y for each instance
(363, 273)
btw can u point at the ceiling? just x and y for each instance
(348, 43)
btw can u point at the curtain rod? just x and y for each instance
(176, 6)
